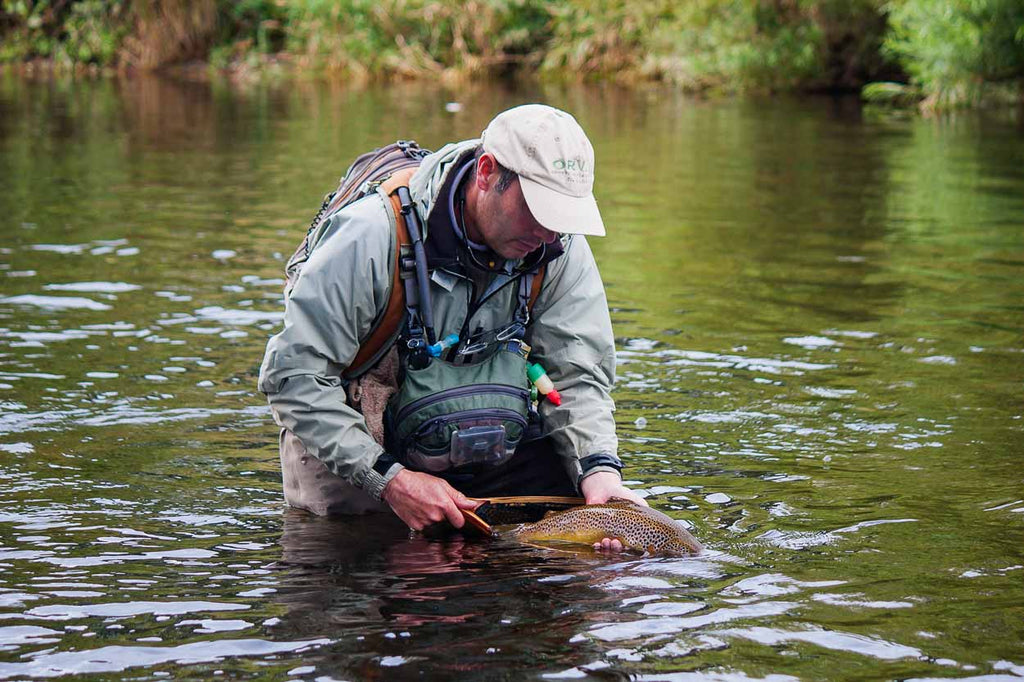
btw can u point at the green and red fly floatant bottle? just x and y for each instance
(543, 383)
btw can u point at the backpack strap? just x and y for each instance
(538, 279)
(391, 321)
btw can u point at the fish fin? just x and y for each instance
(621, 502)
(576, 548)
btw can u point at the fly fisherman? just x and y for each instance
(506, 287)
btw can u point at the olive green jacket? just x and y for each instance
(344, 287)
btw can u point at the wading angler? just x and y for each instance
(446, 331)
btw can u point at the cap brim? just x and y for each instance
(561, 213)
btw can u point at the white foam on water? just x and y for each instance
(810, 342)
(253, 280)
(118, 558)
(238, 317)
(830, 392)
(773, 585)
(59, 248)
(13, 636)
(94, 287)
(117, 658)
(674, 357)
(56, 302)
(852, 600)
(672, 625)
(939, 360)
(874, 647)
(136, 608)
(853, 334)
(734, 417)
(212, 625)
(671, 608)
(714, 676)
(46, 337)
(17, 448)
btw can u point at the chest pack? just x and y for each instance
(444, 414)
(450, 415)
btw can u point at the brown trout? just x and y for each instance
(638, 528)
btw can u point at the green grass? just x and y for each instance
(957, 52)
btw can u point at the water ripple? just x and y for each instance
(117, 658)
(827, 639)
(672, 625)
(121, 610)
(94, 287)
(55, 302)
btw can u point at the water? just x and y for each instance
(819, 319)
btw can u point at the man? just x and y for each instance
(494, 210)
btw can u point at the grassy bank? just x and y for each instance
(950, 52)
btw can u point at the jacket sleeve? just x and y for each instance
(571, 335)
(333, 305)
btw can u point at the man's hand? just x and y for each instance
(599, 488)
(421, 499)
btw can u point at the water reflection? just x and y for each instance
(391, 591)
(820, 342)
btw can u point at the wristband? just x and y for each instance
(591, 462)
(600, 460)
(384, 463)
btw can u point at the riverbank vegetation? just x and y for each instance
(948, 53)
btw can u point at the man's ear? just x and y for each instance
(486, 166)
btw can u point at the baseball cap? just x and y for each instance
(549, 151)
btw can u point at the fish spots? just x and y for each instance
(637, 528)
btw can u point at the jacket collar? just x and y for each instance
(433, 189)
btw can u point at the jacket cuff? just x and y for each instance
(374, 482)
(601, 468)
(592, 464)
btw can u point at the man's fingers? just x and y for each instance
(461, 501)
(411, 521)
(609, 545)
(453, 504)
(420, 500)
(464, 502)
(454, 515)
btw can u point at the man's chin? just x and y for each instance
(514, 253)
(519, 251)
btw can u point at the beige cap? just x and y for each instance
(549, 151)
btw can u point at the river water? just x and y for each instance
(820, 320)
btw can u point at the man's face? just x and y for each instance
(506, 224)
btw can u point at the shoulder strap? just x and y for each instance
(391, 321)
(538, 280)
